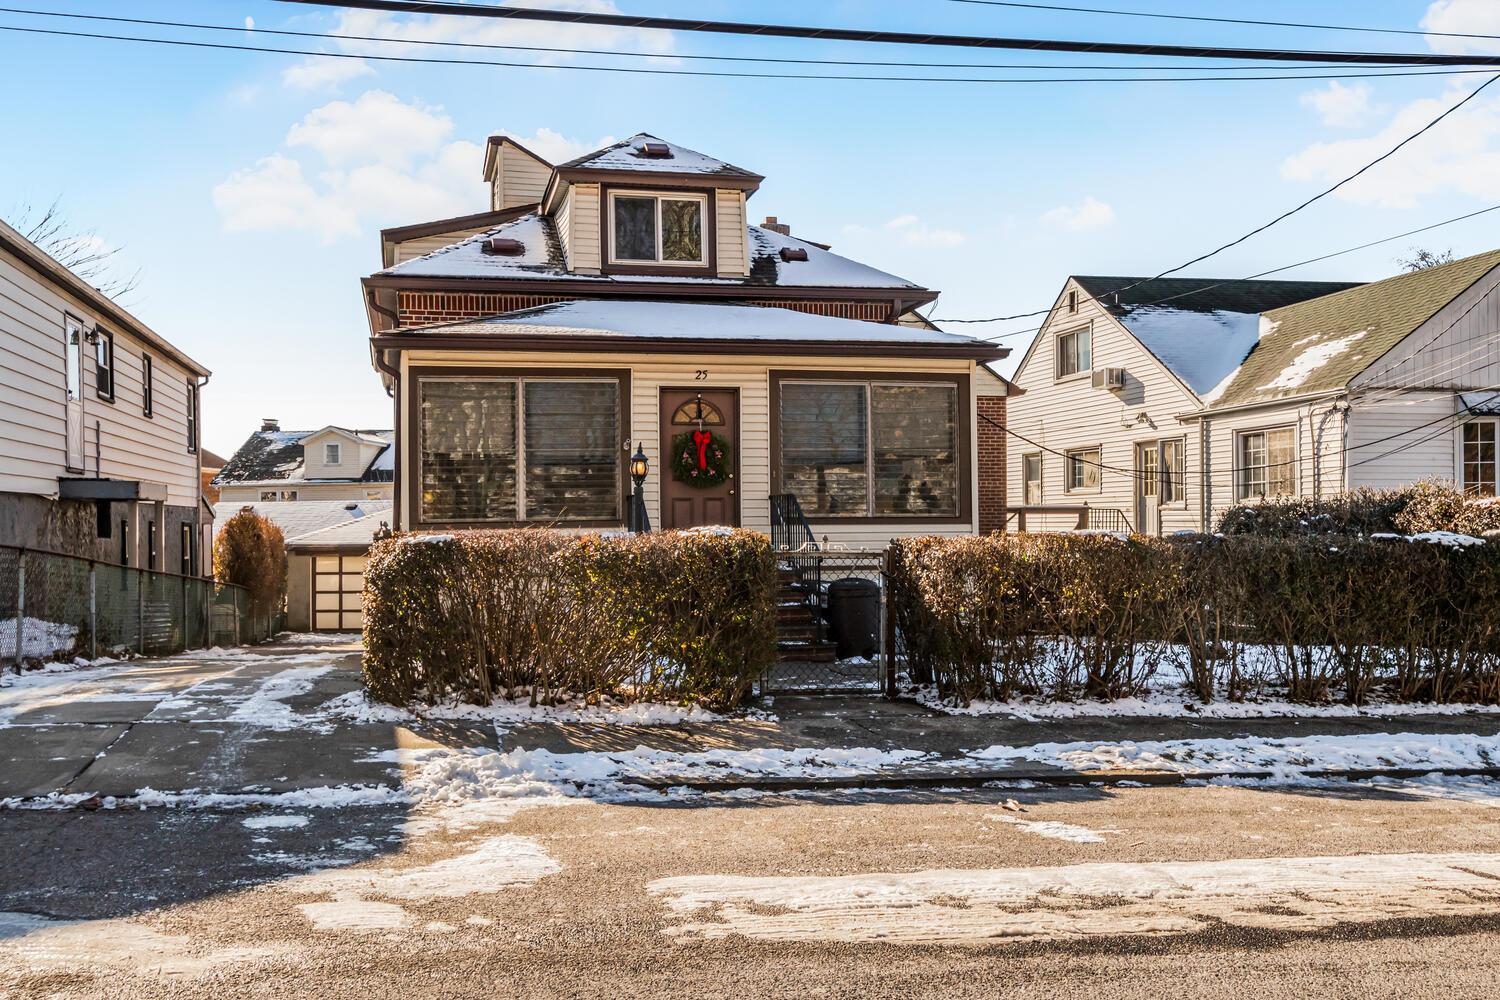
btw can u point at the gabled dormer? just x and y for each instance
(645, 206)
(339, 453)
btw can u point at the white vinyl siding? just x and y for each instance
(519, 179)
(730, 235)
(119, 440)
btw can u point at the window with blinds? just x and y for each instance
(860, 449)
(507, 450)
(1267, 463)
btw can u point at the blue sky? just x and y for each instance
(249, 188)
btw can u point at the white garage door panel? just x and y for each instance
(338, 592)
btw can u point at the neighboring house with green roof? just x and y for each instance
(1170, 400)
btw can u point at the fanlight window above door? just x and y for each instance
(696, 411)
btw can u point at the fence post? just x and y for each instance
(888, 637)
(20, 608)
(140, 613)
(208, 613)
(184, 613)
(93, 611)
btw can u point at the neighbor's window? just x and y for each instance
(860, 449)
(1031, 476)
(104, 365)
(1083, 467)
(1267, 463)
(1174, 470)
(192, 415)
(186, 561)
(1075, 352)
(330, 454)
(652, 229)
(1479, 457)
(148, 386)
(474, 464)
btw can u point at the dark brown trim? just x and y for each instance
(685, 345)
(478, 220)
(491, 157)
(663, 421)
(587, 287)
(966, 471)
(667, 178)
(710, 236)
(412, 400)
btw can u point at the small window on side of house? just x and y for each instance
(1481, 440)
(104, 365)
(288, 494)
(1266, 463)
(1083, 469)
(192, 415)
(1072, 302)
(1174, 470)
(148, 388)
(330, 454)
(266, 496)
(186, 568)
(1075, 352)
(1031, 476)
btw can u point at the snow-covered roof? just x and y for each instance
(541, 258)
(627, 154)
(1483, 403)
(299, 518)
(276, 457)
(1200, 348)
(633, 318)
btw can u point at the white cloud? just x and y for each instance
(911, 230)
(249, 23)
(554, 147)
(374, 160)
(318, 72)
(1340, 106)
(1462, 154)
(377, 126)
(1476, 17)
(1091, 213)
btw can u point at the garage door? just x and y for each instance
(338, 593)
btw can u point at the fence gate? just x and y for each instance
(830, 629)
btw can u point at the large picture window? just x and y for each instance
(871, 449)
(519, 449)
(657, 229)
(1266, 463)
(1479, 457)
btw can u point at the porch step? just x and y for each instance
(806, 652)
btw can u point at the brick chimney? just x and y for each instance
(776, 227)
(270, 424)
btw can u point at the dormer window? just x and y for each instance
(330, 454)
(657, 229)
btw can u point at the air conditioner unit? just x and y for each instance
(1109, 378)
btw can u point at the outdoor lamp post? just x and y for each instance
(639, 467)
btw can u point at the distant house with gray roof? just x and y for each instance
(331, 463)
(1159, 403)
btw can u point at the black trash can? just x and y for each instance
(854, 616)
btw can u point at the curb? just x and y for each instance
(1060, 779)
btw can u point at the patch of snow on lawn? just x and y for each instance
(1310, 360)
(33, 942)
(1051, 829)
(40, 640)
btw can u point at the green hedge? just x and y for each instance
(1426, 506)
(1056, 615)
(672, 616)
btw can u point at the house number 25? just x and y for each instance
(701, 374)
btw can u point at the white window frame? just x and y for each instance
(1159, 445)
(1242, 493)
(1026, 480)
(1070, 456)
(1058, 374)
(1462, 466)
(332, 453)
(659, 196)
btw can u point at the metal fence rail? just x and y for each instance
(809, 642)
(54, 606)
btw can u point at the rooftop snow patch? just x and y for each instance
(1201, 348)
(692, 321)
(629, 154)
(1312, 357)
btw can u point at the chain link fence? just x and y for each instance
(55, 606)
(830, 622)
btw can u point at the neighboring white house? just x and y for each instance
(331, 463)
(99, 419)
(1170, 400)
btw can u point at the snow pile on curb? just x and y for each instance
(40, 639)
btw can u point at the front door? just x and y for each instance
(1148, 488)
(73, 362)
(699, 457)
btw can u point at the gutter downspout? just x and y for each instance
(394, 391)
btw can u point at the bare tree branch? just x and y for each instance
(83, 252)
(1421, 259)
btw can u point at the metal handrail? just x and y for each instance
(790, 529)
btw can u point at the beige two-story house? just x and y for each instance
(99, 424)
(1160, 403)
(622, 305)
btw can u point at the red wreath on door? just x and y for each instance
(701, 459)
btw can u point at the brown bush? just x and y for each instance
(251, 552)
(1426, 506)
(681, 616)
(1435, 507)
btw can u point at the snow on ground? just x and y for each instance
(1078, 902)
(274, 821)
(40, 640)
(1051, 829)
(65, 946)
(266, 706)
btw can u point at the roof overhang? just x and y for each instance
(605, 344)
(69, 488)
(478, 221)
(749, 183)
(492, 154)
(908, 297)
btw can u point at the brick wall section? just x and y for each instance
(991, 463)
(423, 308)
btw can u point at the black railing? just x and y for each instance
(790, 530)
(1109, 519)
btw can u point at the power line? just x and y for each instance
(642, 71)
(1223, 20)
(445, 43)
(903, 37)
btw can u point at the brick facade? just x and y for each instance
(991, 440)
(423, 308)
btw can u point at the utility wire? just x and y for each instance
(904, 37)
(444, 43)
(1223, 20)
(642, 71)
